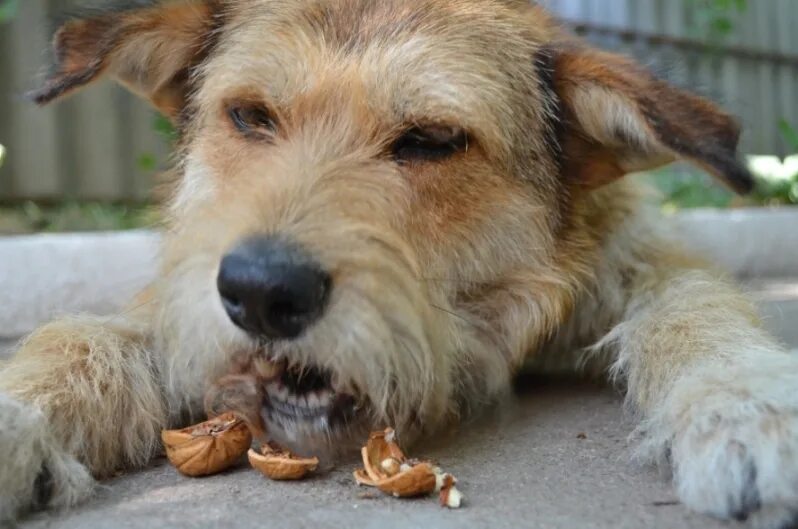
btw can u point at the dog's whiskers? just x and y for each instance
(451, 313)
(127, 311)
(450, 280)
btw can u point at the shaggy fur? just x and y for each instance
(525, 247)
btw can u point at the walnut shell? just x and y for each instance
(209, 447)
(241, 394)
(278, 464)
(388, 469)
(418, 480)
(362, 478)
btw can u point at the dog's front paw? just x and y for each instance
(34, 472)
(733, 446)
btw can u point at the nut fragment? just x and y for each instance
(209, 447)
(391, 466)
(449, 496)
(419, 480)
(387, 468)
(362, 478)
(279, 464)
(266, 370)
(381, 446)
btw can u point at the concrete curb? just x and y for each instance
(44, 276)
(750, 243)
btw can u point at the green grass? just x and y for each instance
(687, 189)
(30, 217)
(683, 187)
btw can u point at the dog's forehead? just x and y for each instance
(414, 58)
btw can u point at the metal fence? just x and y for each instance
(87, 147)
(92, 146)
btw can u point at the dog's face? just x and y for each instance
(385, 199)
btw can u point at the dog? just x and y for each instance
(399, 205)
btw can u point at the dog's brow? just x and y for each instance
(409, 81)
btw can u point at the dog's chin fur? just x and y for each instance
(331, 445)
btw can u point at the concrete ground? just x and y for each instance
(529, 468)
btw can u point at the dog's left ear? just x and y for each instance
(618, 118)
(150, 50)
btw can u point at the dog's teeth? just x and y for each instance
(324, 398)
(282, 392)
(312, 400)
(291, 399)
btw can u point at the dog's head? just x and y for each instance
(386, 198)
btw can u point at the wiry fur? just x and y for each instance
(97, 373)
(449, 277)
(27, 447)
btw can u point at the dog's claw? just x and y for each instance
(43, 487)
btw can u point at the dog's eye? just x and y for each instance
(429, 143)
(252, 120)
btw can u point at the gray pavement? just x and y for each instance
(526, 469)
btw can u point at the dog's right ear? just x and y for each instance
(151, 50)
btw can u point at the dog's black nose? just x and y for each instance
(272, 288)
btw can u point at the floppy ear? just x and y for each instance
(618, 118)
(150, 50)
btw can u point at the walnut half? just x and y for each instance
(209, 447)
(278, 464)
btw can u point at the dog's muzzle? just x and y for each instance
(274, 290)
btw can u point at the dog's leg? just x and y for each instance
(79, 400)
(718, 396)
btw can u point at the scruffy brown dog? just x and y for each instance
(401, 203)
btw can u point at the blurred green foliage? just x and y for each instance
(147, 161)
(714, 20)
(686, 190)
(30, 217)
(8, 8)
(684, 187)
(776, 192)
(790, 134)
